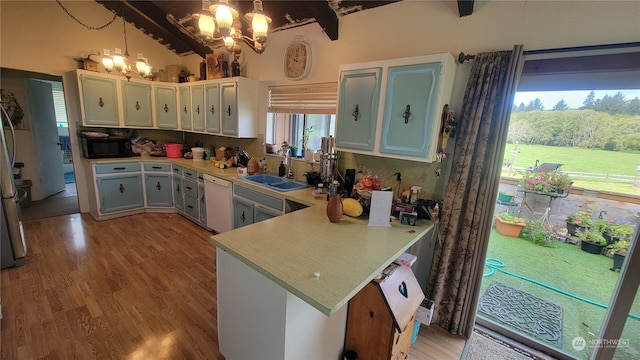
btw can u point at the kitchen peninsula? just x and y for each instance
(284, 283)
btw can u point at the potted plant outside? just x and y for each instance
(560, 181)
(580, 221)
(509, 225)
(591, 241)
(620, 250)
(505, 196)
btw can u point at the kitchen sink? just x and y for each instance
(276, 182)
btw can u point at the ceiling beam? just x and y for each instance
(144, 14)
(465, 7)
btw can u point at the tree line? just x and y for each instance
(610, 104)
(610, 123)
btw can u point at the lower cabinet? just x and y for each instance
(158, 184)
(189, 194)
(123, 192)
(251, 206)
(118, 188)
(178, 201)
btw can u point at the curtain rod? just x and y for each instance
(462, 57)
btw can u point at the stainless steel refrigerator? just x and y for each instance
(14, 248)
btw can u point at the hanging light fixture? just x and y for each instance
(223, 18)
(120, 62)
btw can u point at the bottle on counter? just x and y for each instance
(282, 170)
(252, 166)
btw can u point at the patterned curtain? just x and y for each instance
(470, 194)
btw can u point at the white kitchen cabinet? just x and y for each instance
(184, 96)
(158, 184)
(413, 92)
(136, 103)
(197, 107)
(99, 101)
(358, 110)
(212, 103)
(239, 105)
(118, 187)
(166, 106)
(251, 206)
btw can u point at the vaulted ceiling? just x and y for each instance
(171, 22)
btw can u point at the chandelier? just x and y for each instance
(223, 18)
(120, 62)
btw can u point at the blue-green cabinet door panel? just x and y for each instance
(166, 107)
(197, 107)
(358, 109)
(120, 192)
(410, 118)
(212, 102)
(229, 104)
(242, 213)
(178, 198)
(261, 214)
(159, 191)
(136, 104)
(99, 100)
(185, 107)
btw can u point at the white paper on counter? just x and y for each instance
(380, 210)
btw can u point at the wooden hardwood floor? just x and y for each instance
(137, 287)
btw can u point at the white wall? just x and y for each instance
(38, 36)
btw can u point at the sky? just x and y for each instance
(574, 99)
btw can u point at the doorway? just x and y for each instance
(43, 146)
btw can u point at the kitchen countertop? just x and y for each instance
(291, 248)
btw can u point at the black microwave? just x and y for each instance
(97, 148)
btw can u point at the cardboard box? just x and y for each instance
(424, 314)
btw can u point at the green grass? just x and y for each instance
(579, 159)
(572, 270)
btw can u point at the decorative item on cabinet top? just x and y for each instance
(393, 108)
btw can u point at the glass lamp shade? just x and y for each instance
(260, 27)
(107, 61)
(223, 17)
(228, 43)
(207, 25)
(118, 60)
(141, 64)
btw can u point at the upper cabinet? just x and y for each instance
(239, 107)
(98, 100)
(392, 108)
(136, 103)
(184, 92)
(358, 111)
(226, 107)
(166, 106)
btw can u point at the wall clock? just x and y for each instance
(297, 59)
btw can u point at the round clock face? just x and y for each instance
(297, 61)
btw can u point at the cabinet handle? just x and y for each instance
(185, 109)
(121, 188)
(213, 110)
(188, 187)
(178, 188)
(190, 207)
(198, 109)
(156, 167)
(407, 113)
(229, 110)
(166, 108)
(100, 102)
(158, 185)
(119, 168)
(242, 216)
(137, 106)
(356, 113)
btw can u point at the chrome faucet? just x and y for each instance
(286, 149)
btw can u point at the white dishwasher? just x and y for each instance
(219, 199)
